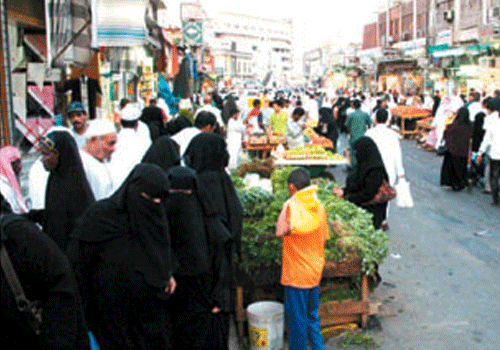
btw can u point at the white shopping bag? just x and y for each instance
(404, 198)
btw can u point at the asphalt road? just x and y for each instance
(441, 282)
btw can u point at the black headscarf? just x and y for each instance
(458, 134)
(327, 125)
(229, 109)
(368, 157)
(164, 152)
(207, 154)
(186, 218)
(462, 116)
(127, 212)
(152, 116)
(68, 192)
(177, 124)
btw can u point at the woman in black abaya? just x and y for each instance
(68, 192)
(363, 183)
(457, 138)
(120, 252)
(208, 156)
(199, 305)
(327, 126)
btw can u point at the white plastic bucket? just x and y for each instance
(265, 325)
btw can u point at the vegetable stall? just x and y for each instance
(407, 117)
(353, 251)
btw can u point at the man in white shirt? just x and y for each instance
(205, 122)
(130, 147)
(491, 146)
(96, 154)
(475, 106)
(77, 116)
(207, 106)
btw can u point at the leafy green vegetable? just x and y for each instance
(352, 236)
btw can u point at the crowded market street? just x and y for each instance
(221, 175)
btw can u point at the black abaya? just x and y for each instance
(68, 192)
(203, 276)
(363, 183)
(120, 251)
(46, 276)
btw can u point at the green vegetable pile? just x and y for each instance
(352, 232)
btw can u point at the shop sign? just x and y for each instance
(468, 35)
(488, 30)
(192, 32)
(443, 37)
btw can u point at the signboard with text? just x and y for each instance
(192, 33)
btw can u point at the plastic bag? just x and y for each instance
(404, 198)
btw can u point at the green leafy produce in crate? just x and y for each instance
(352, 232)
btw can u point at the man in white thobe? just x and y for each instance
(130, 147)
(96, 155)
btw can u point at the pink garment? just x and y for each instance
(9, 154)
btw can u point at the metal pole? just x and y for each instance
(6, 103)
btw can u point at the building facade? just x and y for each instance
(250, 47)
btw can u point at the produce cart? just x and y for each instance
(316, 167)
(407, 115)
(314, 158)
(263, 143)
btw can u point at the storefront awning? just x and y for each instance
(44, 97)
(477, 49)
(38, 44)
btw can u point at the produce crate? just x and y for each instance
(346, 311)
(331, 313)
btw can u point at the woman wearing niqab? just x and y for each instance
(208, 156)
(363, 183)
(199, 305)
(120, 252)
(68, 192)
(457, 138)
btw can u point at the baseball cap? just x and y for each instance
(76, 107)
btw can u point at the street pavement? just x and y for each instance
(440, 283)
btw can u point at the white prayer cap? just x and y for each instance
(130, 112)
(100, 127)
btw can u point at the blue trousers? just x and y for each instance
(301, 318)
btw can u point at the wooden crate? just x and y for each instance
(340, 312)
(331, 313)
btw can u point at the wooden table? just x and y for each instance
(403, 119)
(264, 147)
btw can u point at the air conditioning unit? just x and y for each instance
(448, 16)
(406, 36)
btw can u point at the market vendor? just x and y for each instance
(295, 128)
(278, 120)
(255, 120)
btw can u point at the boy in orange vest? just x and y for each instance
(303, 226)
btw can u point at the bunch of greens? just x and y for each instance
(352, 232)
